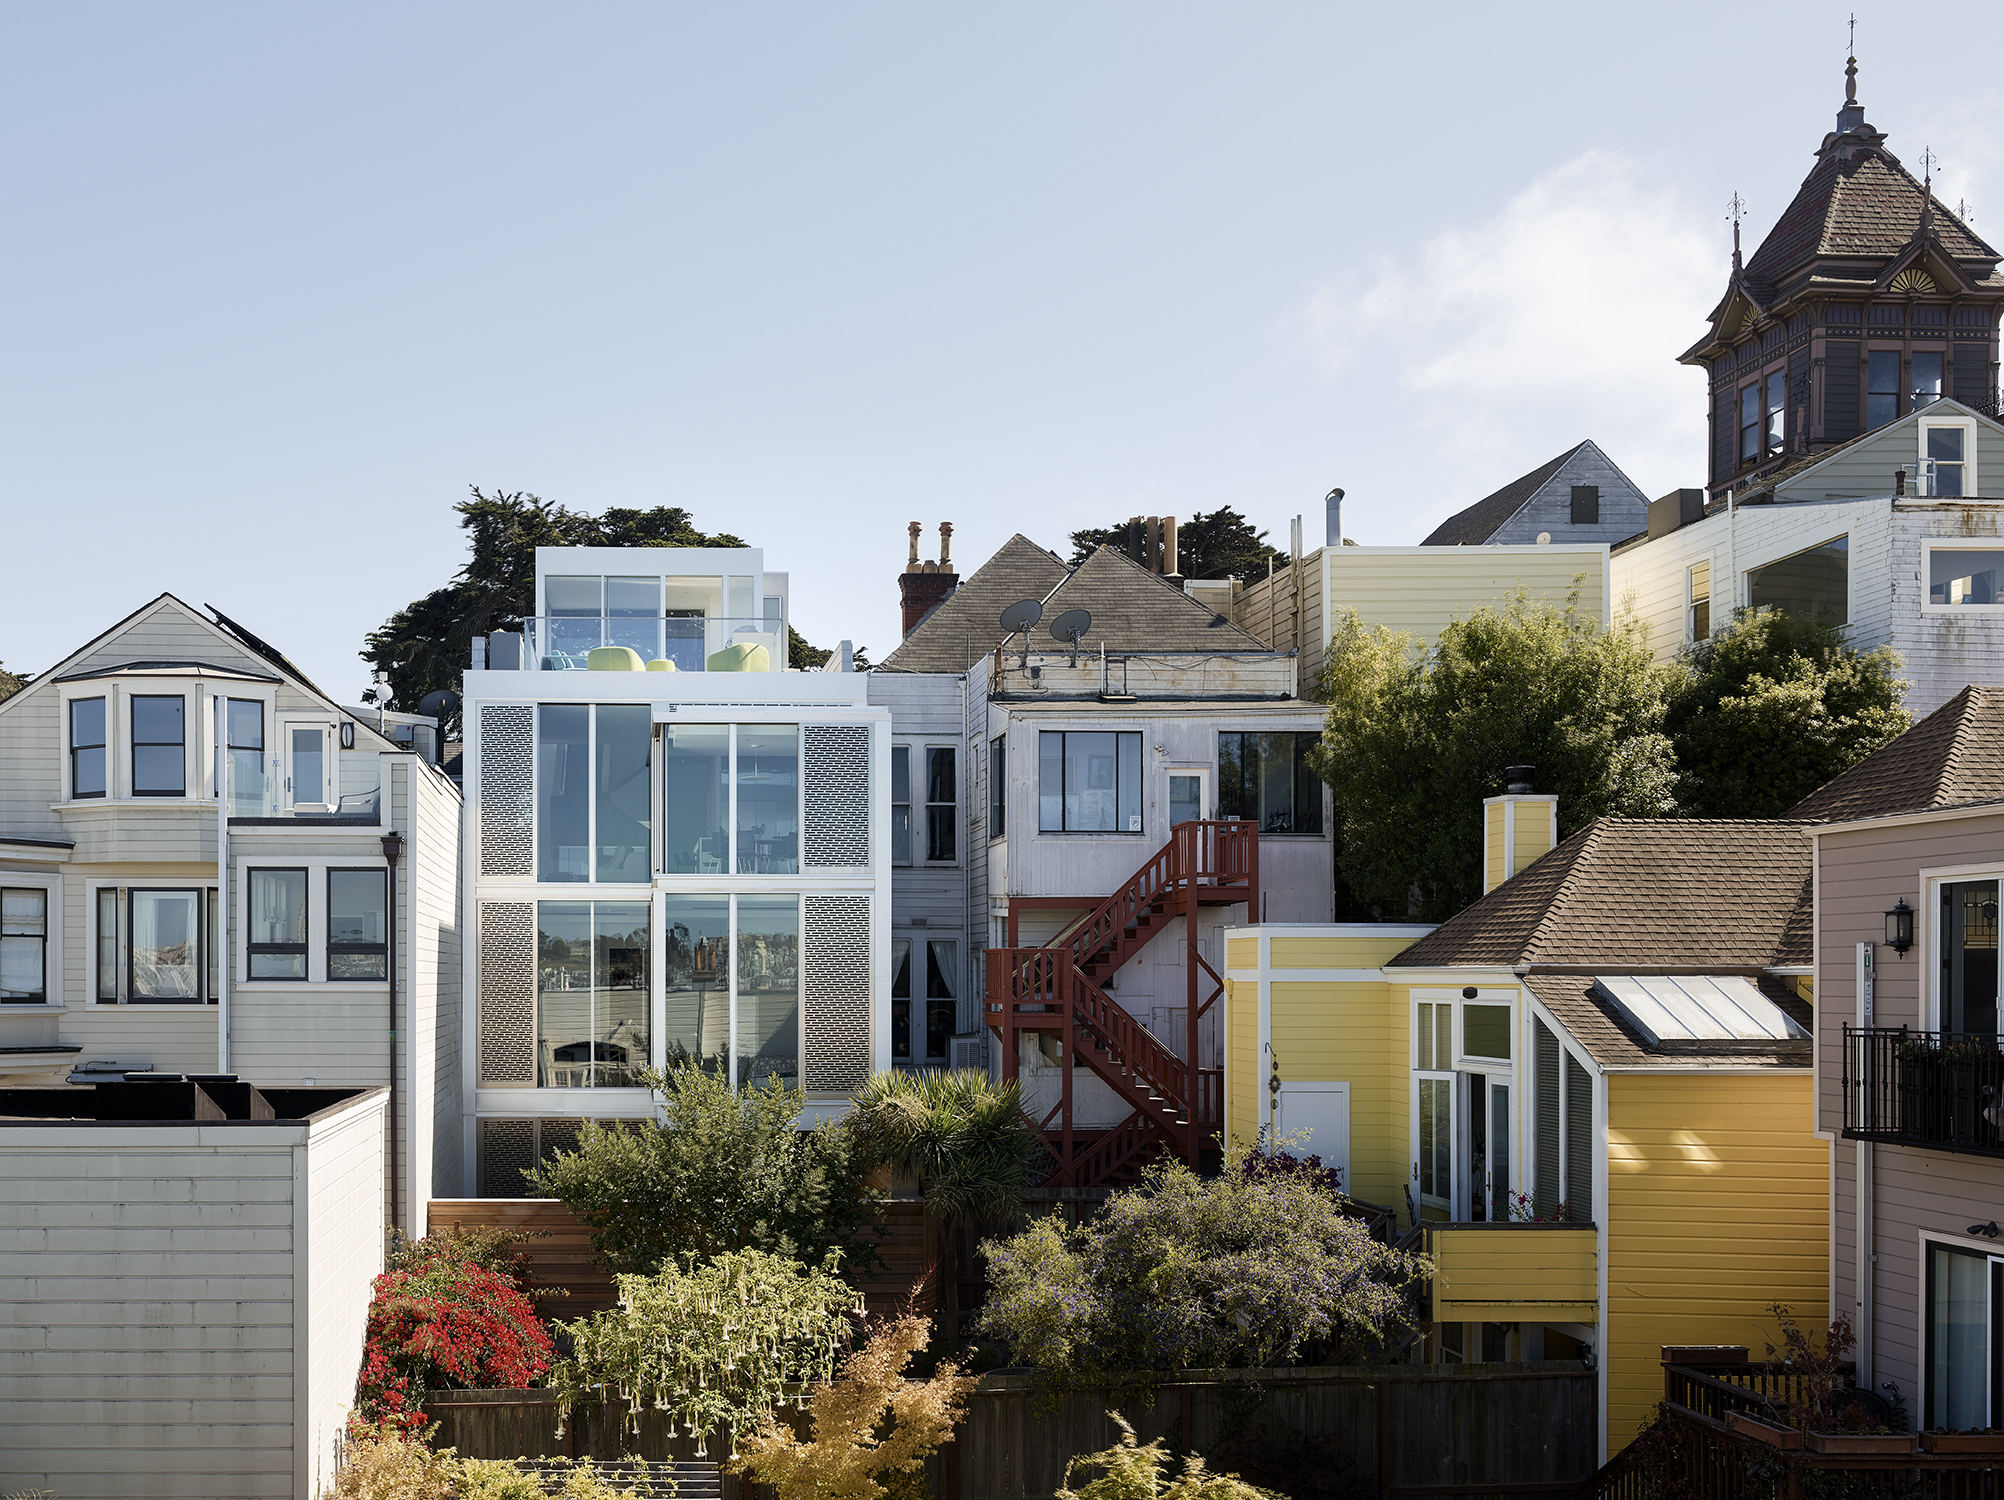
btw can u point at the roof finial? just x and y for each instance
(1851, 63)
(1929, 161)
(1738, 206)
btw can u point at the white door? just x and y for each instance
(1185, 796)
(1321, 1113)
(309, 767)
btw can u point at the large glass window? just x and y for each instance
(633, 615)
(1750, 423)
(1964, 575)
(998, 787)
(1961, 1366)
(1088, 781)
(87, 747)
(24, 946)
(1927, 377)
(942, 984)
(1969, 956)
(1945, 467)
(563, 792)
(357, 925)
(1814, 584)
(1882, 387)
(901, 804)
(768, 955)
(158, 735)
(244, 728)
(576, 609)
(277, 944)
(696, 951)
(591, 993)
(1266, 779)
(768, 799)
(941, 802)
(165, 948)
(625, 735)
(695, 770)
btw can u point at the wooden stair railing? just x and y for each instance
(1218, 857)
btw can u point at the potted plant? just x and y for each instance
(1785, 1438)
(1823, 1406)
(1988, 1440)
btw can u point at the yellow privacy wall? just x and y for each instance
(1351, 1032)
(1718, 1205)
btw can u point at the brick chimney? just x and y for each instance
(923, 584)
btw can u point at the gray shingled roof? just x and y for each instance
(1627, 893)
(966, 623)
(1954, 755)
(1482, 520)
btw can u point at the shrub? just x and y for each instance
(489, 1247)
(872, 1429)
(1251, 1268)
(444, 1323)
(388, 1463)
(1134, 1472)
(717, 1345)
(719, 1172)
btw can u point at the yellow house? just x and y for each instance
(1591, 1090)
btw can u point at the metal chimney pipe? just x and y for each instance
(1332, 507)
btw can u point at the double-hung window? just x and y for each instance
(1088, 781)
(1267, 779)
(24, 945)
(277, 945)
(1750, 423)
(1944, 459)
(941, 802)
(87, 747)
(1882, 387)
(357, 925)
(1699, 580)
(159, 738)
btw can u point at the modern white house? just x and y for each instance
(320, 948)
(1898, 535)
(678, 848)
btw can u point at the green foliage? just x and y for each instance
(1134, 1471)
(427, 644)
(1244, 1269)
(10, 684)
(1222, 544)
(719, 1345)
(385, 1463)
(1771, 707)
(717, 1172)
(962, 1134)
(1414, 741)
(489, 1247)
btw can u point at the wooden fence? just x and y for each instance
(578, 1282)
(1469, 1431)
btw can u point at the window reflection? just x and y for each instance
(591, 993)
(696, 957)
(695, 770)
(768, 960)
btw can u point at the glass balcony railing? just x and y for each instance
(555, 643)
(261, 788)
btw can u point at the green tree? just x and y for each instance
(1771, 707)
(10, 683)
(1222, 544)
(426, 645)
(718, 1171)
(966, 1140)
(1415, 740)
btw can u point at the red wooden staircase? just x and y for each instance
(1056, 990)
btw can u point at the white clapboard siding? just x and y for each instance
(434, 865)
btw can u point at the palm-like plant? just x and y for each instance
(967, 1141)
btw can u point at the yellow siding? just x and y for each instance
(1718, 1205)
(1493, 871)
(1337, 951)
(1351, 1033)
(1242, 953)
(1533, 834)
(1420, 590)
(1241, 1061)
(1512, 1273)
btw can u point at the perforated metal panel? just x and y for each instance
(508, 993)
(835, 992)
(557, 1135)
(507, 789)
(835, 795)
(507, 1149)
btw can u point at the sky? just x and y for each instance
(283, 281)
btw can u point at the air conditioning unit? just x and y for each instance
(969, 1051)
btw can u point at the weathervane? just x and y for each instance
(1738, 206)
(1851, 64)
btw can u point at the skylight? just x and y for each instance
(1688, 1009)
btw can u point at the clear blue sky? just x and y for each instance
(283, 280)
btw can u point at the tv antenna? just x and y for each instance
(1021, 616)
(1070, 626)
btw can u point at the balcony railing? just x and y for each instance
(557, 643)
(1504, 1272)
(261, 790)
(1938, 1089)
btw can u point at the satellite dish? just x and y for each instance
(1070, 625)
(1022, 615)
(437, 704)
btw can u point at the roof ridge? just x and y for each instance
(1951, 763)
(1589, 838)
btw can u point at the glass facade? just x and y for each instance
(768, 787)
(625, 732)
(591, 993)
(695, 805)
(696, 963)
(768, 999)
(563, 792)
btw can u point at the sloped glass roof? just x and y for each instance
(1686, 1008)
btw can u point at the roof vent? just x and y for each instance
(1517, 780)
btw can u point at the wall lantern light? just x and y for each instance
(347, 734)
(1900, 927)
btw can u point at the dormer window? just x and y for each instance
(159, 746)
(1946, 468)
(87, 747)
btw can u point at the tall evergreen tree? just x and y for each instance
(1222, 544)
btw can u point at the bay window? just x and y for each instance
(1088, 781)
(1266, 779)
(164, 957)
(357, 925)
(591, 993)
(87, 747)
(107, 945)
(24, 946)
(159, 739)
(277, 931)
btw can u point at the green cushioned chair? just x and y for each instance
(744, 657)
(614, 659)
(662, 664)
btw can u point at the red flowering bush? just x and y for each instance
(445, 1323)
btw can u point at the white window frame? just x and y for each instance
(1970, 484)
(125, 885)
(1932, 545)
(1929, 938)
(316, 868)
(52, 935)
(330, 751)
(1207, 781)
(1691, 638)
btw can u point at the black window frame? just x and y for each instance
(1307, 786)
(901, 802)
(301, 949)
(181, 744)
(901, 999)
(41, 995)
(942, 815)
(942, 1010)
(206, 991)
(1586, 505)
(998, 786)
(102, 747)
(381, 950)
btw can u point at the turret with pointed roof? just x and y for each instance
(1864, 262)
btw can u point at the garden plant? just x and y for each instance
(389, 1463)
(1136, 1471)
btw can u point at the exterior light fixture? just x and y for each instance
(347, 734)
(1900, 927)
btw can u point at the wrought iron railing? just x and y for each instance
(1939, 1089)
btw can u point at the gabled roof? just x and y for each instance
(1633, 893)
(1954, 755)
(966, 623)
(1795, 468)
(1133, 609)
(1482, 520)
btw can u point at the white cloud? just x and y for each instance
(1558, 319)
